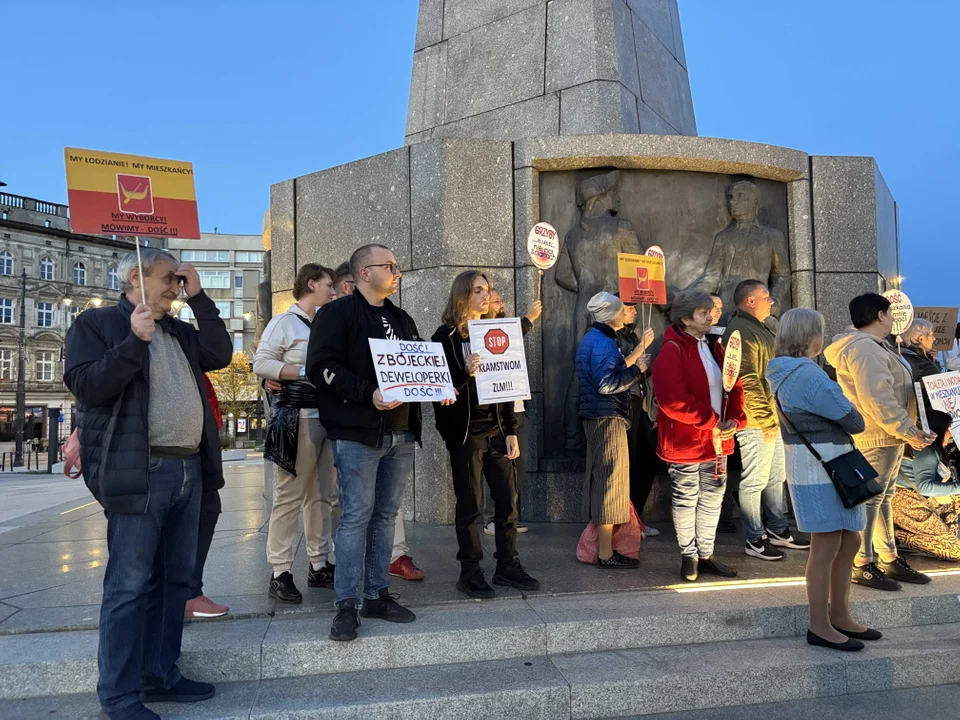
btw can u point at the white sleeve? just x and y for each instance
(268, 360)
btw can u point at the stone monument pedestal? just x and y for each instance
(451, 204)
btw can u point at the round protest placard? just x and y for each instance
(543, 244)
(902, 310)
(731, 361)
(654, 251)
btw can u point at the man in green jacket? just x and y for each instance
(763, 478)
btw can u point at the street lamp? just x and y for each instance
(21, 404)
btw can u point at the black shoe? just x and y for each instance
(867, 634)
(346, 622)
(709, 566)
(689, 569)
(899, 570)
(473, 583)
(727, 527)
(386, 608)
(515, 576)
(185, 691)
(763, 550)
(283, 589)
(848, 646)
(786, 539)
(871, 576)
(618, 562)
(136, 712)
(322, 577)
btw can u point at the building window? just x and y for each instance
(186, 314)
(6, 263)
(72, 313)
(214, 279)
(44, 314)
(224, 308)
(6, 311)
(238, 280)
(46, 269)
(249, 257)
(113, 280)
(238, 342)
(45, 366)
(204, 256)
(79, 274)
(6, 364)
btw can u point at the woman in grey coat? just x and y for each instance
(810, 403)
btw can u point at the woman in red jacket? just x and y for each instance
(689, 389)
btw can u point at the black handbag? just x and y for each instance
(852, 476)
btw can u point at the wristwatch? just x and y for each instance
(303, 373)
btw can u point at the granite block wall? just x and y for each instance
(509, 69)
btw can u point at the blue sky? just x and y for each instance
(256, 92)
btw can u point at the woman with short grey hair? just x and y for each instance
(809, 402)
(917, 350)
(692, 434)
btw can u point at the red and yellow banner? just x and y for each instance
(641, 279)
(115, 194)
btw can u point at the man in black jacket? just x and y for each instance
(149, 447)
(372, 439)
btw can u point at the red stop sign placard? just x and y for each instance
(496, 341)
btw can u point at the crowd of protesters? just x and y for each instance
(344, 454)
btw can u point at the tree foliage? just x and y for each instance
(236, 386)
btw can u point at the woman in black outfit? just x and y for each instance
(482, 442)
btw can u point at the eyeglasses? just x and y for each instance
(392, 267)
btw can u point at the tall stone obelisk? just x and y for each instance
(511, 69)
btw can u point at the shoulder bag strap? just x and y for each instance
(302, 319)
(790, 426)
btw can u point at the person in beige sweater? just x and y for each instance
(879, 383)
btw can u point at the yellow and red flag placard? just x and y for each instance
(117, 194)
(642, 279)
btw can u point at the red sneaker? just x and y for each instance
(203, 607)
(403, 567)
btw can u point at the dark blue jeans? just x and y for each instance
(147, 584)
(371, 487)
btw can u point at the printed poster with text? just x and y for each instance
(943, 390)
(411, 370)
(642, 279)
(113, 194)
(502, 376)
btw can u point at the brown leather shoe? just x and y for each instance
(404, 568)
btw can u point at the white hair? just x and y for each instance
(148, 256)
(918, 328)
(798, 329)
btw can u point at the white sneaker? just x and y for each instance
(521, 528)
(488, 529)
(650, 532)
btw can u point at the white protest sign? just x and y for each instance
(543, 244)
(943, 390)
(902, 310)
(921, 408)
(731, 361)
(502, 376)
(411, 370)
(654, 251)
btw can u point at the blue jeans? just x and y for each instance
(697, 493)
(762, 481)
(371, 488)
(147, 584)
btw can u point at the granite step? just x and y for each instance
(629, 683)
(40, 664)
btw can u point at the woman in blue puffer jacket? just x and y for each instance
(606, 377)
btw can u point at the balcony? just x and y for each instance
(20, 202)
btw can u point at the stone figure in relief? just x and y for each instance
(587, 265)
(746, 250)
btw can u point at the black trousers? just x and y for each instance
(479, 457)
(209, 514)
(521, 463)
(644, 463)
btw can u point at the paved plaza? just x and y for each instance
(590, 644)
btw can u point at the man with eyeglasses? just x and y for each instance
(401, 561)
(372, 438)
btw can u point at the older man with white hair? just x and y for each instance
(149, 447)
